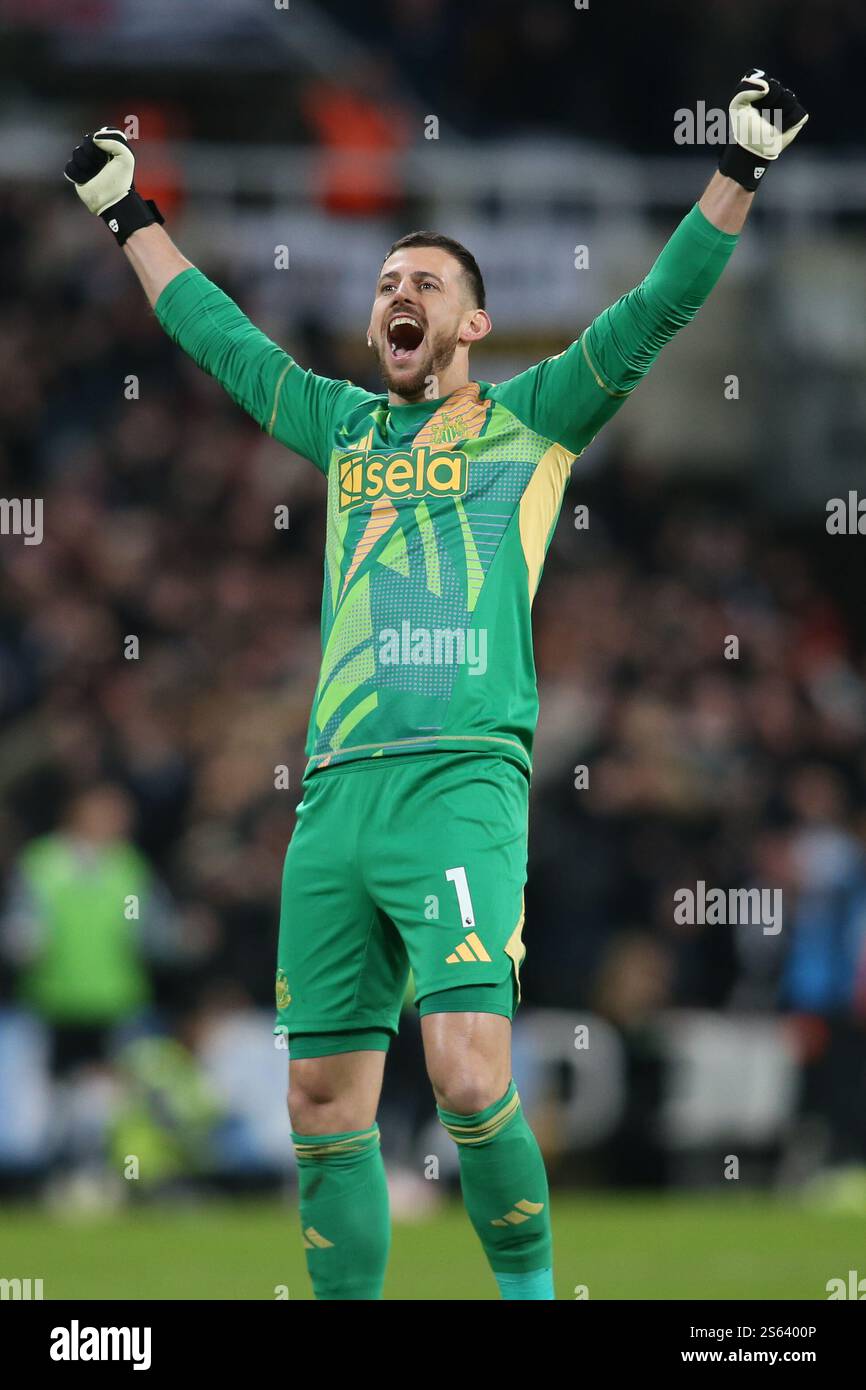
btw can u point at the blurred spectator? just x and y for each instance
(826, 963)
(85, 913)
(361, 127)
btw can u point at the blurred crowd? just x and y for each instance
(496, 69)
(716, 692)
(158, 654)
(500, 67)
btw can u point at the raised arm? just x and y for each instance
(294, 405)
(569, 397)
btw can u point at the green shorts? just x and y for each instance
(416, 861)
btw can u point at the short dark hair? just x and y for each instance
(454, 248)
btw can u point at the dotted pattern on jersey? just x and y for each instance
(395, 598)
(510, 445)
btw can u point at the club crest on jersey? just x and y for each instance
(367, 474)
(445, 432)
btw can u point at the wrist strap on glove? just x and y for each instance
(740, 164)
(130, 214)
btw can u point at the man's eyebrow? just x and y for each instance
(415, 274)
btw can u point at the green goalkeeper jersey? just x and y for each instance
(440, 513)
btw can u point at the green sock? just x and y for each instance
(345, 1215)
(505, 1191)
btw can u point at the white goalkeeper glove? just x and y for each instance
(765, 118)
(102, 168)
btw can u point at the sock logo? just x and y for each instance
(313, 1241)
(522, 1211)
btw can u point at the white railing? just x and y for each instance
(540, 174)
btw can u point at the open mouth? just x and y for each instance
(405, 335)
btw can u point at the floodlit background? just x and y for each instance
(529, 131)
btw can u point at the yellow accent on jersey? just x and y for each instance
(539, 508)
(514, 946)
(461, 415)
(277, 389)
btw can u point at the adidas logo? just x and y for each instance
(520, 1212)
(313, 1241)
(470, 948)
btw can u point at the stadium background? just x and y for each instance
(528, 131)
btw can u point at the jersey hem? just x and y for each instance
(370, 754)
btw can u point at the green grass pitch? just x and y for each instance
(619, 1247)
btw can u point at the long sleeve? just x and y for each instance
(294, 405)
(569, 397)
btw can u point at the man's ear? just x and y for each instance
(476, 328)
(369, 341)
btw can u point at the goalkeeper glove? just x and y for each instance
(760, 132)
(102, 168)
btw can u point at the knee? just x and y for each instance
(305, 1116)
(468, 1059)
(467, 1090)
(314, 1101)
(327, 1095)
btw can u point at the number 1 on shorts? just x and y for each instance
(458, 878)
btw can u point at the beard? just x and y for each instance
(417, 385)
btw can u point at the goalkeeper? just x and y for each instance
(409, 849)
